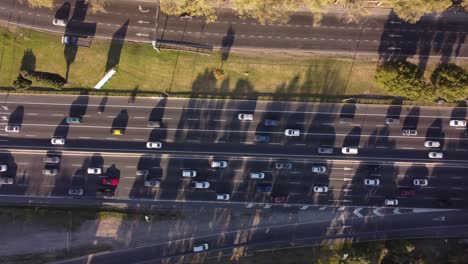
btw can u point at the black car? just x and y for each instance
(262, 138)
(283, 165)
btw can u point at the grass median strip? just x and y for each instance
(139, 66)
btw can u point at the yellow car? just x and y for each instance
(117, 132)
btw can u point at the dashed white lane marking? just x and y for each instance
(31, 135)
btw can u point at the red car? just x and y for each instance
(110, 181)
(407, 192)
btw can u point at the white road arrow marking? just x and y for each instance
(250, 205)
(396, 211)
(347, 179)
(347, 169)
(377, 212)
(395, 22)
(356, 212)
(442, 218)
(142, 10)
(5, 107)
(142, 35)
(305, 207)
(267, 206)
(395, 36)
(394, 48)
(4, 118)
(322, 208)
(143, 22)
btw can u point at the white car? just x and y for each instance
(319, 169)
(245, 117)
(349, 150)
(257, 175)
(223, 197)
(12, 129)
(391, 202)
(320, 189)
(57, 141)
(94, 170)
(420, 182)
(59, 22)
(189, 173)
(200, 248)
(435, 155)
(218, 164)
(201, 185)
(6, 180)
(458, 123)
(292, 132)
(154, 145)
(3, 168)
(372, 182)
(432, 144)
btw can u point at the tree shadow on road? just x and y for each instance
(115, 49)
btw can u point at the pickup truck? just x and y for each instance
(76, 41)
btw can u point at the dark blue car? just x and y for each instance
(264, 187)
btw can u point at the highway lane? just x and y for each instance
(344, 179)
(376, 35)
(193, 121)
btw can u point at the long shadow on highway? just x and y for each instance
(79, 106)
(443, 35)
(120, 121)
(412, 119)
(17, 116)
(458, 113)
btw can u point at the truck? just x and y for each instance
(76, 41)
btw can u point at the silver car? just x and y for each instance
(420, 182)
(391, 202)
(3, 168)
(435, 155)
(12, 129)
(319, 169)
(50, 172)
(432, 144)
(189, 173)
(320, 189)
(6, 180)
(245, 117)
(59, 22)
(292, 132)
(257, 175)
(218, 164)
(200, 248)
(372, 182)
(457, 123)
(57, 141)
(154, 145)
(201, 185)
(349, 150)
(223, 197)
(94, 170)
(152, 183)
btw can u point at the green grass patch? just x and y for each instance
(177, 71)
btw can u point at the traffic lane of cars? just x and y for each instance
(271, 150)
(84, 132)
(298, 186)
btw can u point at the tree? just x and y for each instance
(97, 6)
(41, 3)
(265, 11)
(402, 78)
(22, 83)
(218, 74)
(195, 8)
(412, 11)
(450, 81)
(355, 11)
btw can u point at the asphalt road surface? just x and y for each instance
(382, 34)
(307, 232)
(196, 132)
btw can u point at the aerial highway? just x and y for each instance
(194, 133)
(383, 33)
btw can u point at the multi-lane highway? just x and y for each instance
(195, 132)
(382, 33)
